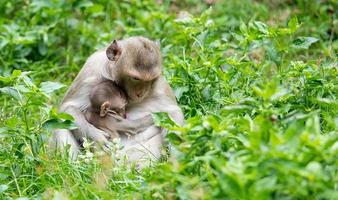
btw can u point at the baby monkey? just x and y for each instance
(108, 103)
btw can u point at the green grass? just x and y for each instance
(257, 81)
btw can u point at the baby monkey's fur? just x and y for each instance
(107, 104)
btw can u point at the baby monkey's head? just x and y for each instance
(107, 97)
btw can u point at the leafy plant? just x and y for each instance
(257, 81)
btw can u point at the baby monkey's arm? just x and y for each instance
(112, 123)
(96, 119)
(132, 127)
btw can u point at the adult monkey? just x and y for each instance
(135, 65)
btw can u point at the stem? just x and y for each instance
(16, 182)
(25, 119)
(27, 132)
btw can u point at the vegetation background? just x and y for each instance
(256, 79)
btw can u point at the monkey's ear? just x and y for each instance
(113, 52)
(104, 109)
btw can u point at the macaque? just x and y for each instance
(107, 105)
(135, 65)
(106, 99)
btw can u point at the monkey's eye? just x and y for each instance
(135, 79)
(112, 111)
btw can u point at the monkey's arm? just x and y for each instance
(86, 129)
(136, 112)
(162, 100)
(76, 100)
(126, 125)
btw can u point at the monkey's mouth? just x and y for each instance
(135, 99)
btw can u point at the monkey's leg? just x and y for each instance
(61, 139)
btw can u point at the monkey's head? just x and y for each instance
(137, 64)
(107, 97)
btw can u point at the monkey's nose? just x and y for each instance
(139, 95)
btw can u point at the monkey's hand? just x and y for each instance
(97, 135)
(100, 138)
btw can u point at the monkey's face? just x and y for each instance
(136, 88)
(117, 107)
(120, 111)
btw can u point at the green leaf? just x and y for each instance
(60, 115)
(180, 91)
(59, 120)
(303, 42)
(293, 24)
(65, 116)
(261, 27)
(59, 124)
(49, 87)
(3, 188)
(11, 92)
(16, 73)
(5, 80)
(42, 48)
(95, 9)
(163, 119)
(3, 131)
(266, 184)
(174, 138)
(236, 108)
(281, 92)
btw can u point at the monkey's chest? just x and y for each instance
(134, 113)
